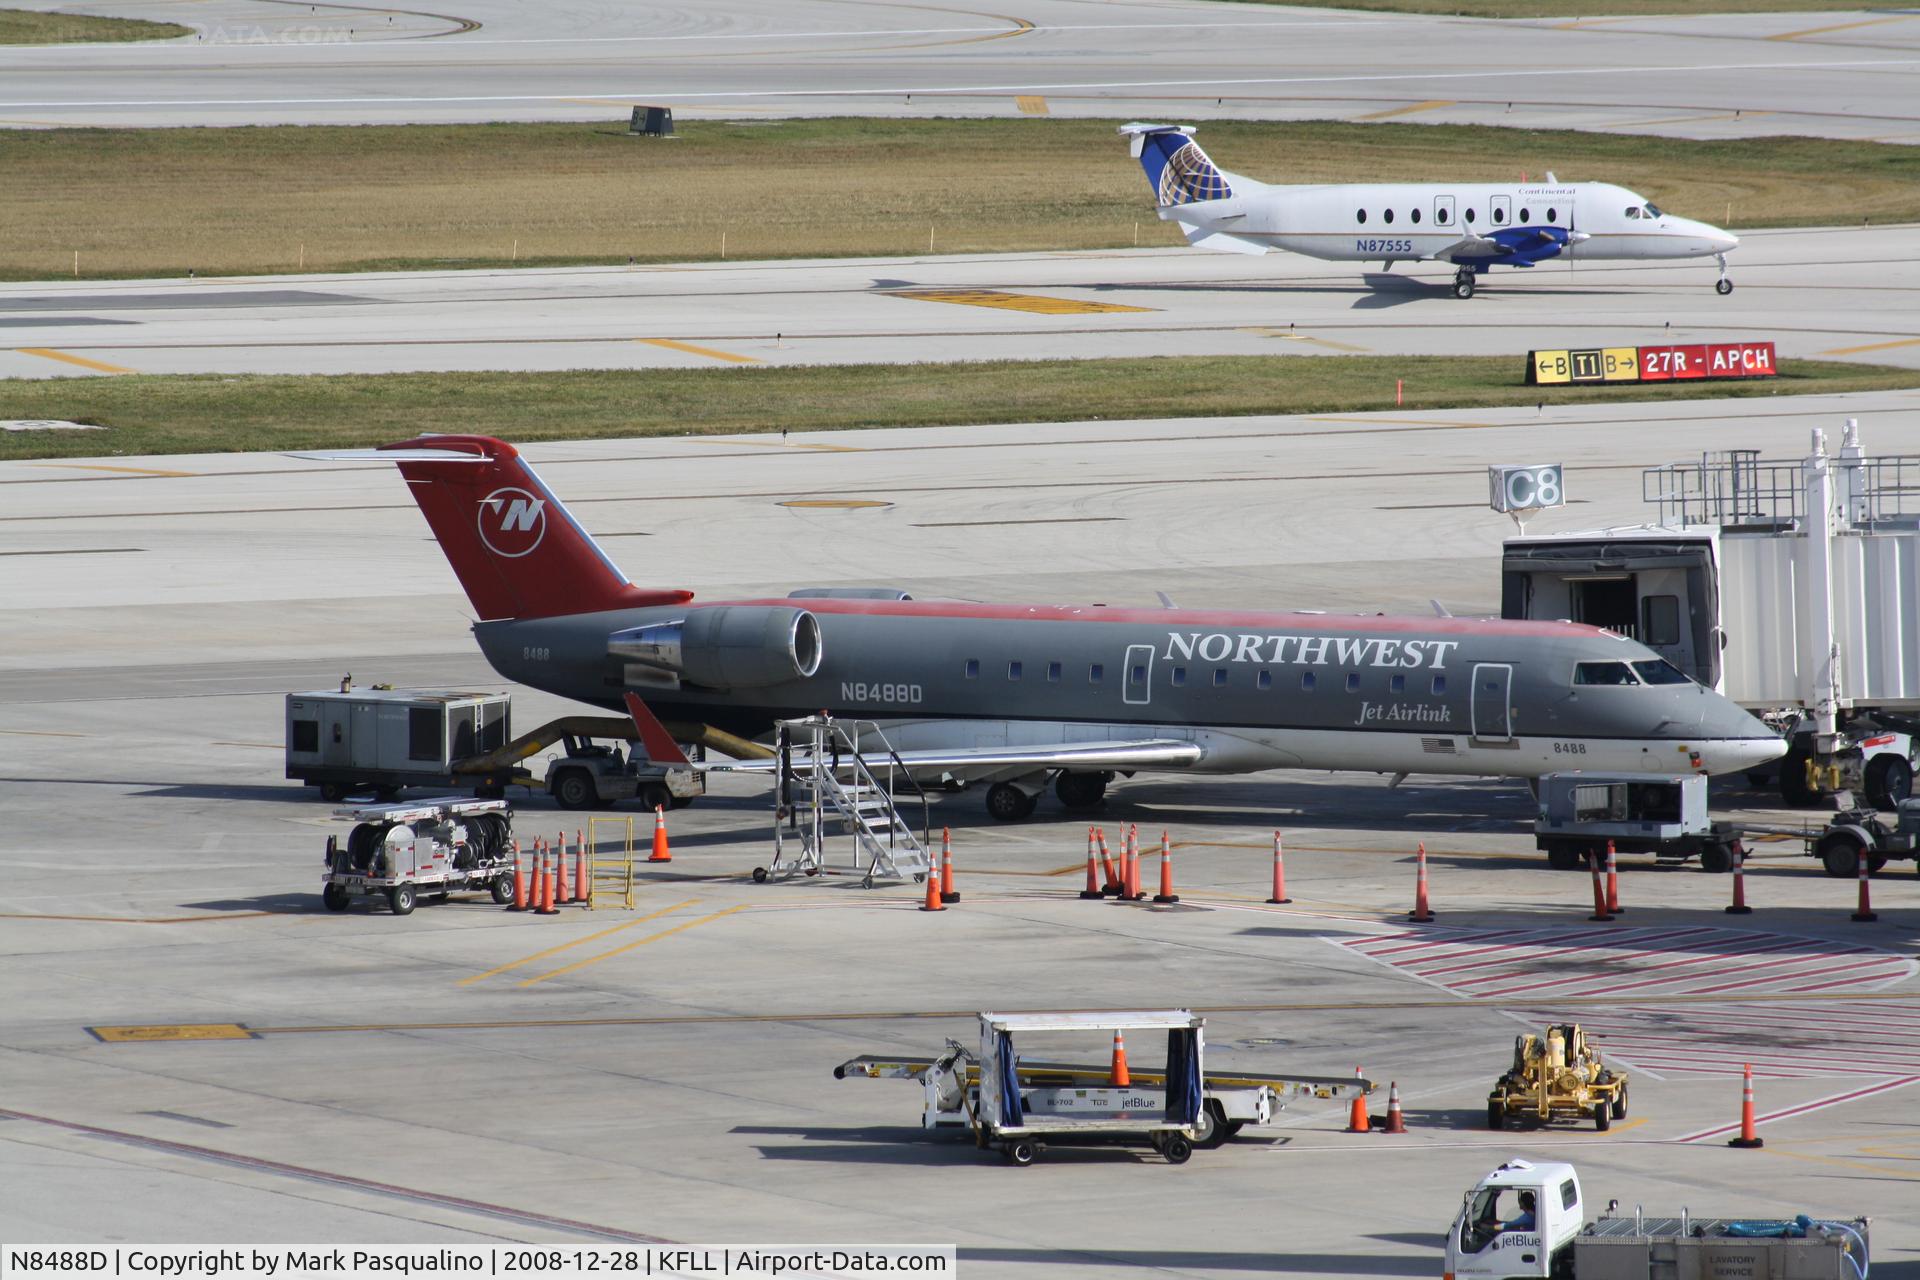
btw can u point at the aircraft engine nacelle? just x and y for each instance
(727, 646)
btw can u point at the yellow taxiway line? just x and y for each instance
(98, 366)
(1873, 346)
(617, 951)
(88, 466)
(1840, 26)
(1407, 110)
(710, 352)
(541, 955)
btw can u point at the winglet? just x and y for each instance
(661, 748)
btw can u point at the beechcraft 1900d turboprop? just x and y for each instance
(1018, 696)
(1474, 226)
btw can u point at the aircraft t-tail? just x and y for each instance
(1019, 696)
(1474, 226)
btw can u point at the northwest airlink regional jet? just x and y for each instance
(1474, 226)
(1017, 696)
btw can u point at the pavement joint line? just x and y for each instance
(712, 353)
(927, 1015)
(541, 955)
(664, 933)
(257, 1164)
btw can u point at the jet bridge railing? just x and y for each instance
(1736, 488)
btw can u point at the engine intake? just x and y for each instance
(727, 646)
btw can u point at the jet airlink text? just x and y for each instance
(1311, 651)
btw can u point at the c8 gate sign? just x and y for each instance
(1668, 363)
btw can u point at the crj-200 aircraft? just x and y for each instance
(1018, 696)
(1472, 225)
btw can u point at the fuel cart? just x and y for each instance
(1018, 1120)
(430, 847)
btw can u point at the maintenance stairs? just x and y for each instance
(844, 777)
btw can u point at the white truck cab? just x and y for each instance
(1492, 1235)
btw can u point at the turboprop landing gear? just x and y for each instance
(1463, 283)
(1008, 803)
(1722, 286)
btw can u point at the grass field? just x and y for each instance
(24, 26)
(262, 200)
(1579, 10)
(203, 414)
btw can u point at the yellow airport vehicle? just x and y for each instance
(1554, 1077)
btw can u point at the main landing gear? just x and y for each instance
(1722, 286)
(1463, 283)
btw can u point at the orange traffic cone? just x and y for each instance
(1747, 1138)
(1093, 876)
(582, 877)
(563, 886)
(1117, 1075)
(1864, 913)
(933, 902)
(1166, 893)
(1133, 893)
(1613, 883)
(1357, 1121)
(1600, 914)
(660, 851)
(547, 877)
(519, 902)
(947, 891)
(1422, 912)
(1113, 884)
(1739, 907)
(1279, 875)
(1396, 1123)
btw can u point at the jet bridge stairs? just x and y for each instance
(843, 776)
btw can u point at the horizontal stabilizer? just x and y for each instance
(387, 455)
(1219, 241)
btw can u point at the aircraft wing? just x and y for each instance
(1146, 753)
(1470, 247)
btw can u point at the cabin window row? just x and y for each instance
(1444, 215)
(1221, 677)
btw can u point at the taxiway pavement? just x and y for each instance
(1830, 74)
(1843, 293)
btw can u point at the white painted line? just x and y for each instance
(1818, 1104)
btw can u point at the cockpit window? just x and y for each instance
(1660, 671)
(1633, 211)
(1653, 210)
(1603, 673)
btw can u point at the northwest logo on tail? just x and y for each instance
(512, 522)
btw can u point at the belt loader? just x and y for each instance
(1229, 1103)
(1526, 1220)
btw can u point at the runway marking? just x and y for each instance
(1031, 104)
(618, 951)
(98, 366)
(1417, 422)
(77, 551)
(1409, 109)
(305, 1174)
(980, 524)
(848, 504)
(710, 352)
(43, 733)
(1706, 963)
(1840, 26)
(94, 466)
(541, 955)
(1818, 1104)
(1716, 115)
(1032, 302)
(185, 1031)
(1872, 346)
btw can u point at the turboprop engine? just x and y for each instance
(727, 646)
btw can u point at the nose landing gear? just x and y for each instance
(1722, 286)
(1463, 283)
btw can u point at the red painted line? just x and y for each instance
(1816, 1105)
(1609, 983)
(1774, 1054)
(1775, 978)
(1365, 945)
(1898, 972)
(1606, 943)
(1527, 952)
(1759, 943)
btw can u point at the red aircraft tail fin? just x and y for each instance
(514, 547)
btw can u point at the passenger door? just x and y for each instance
(1490, 705)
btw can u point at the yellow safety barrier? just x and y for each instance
(610, 875)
